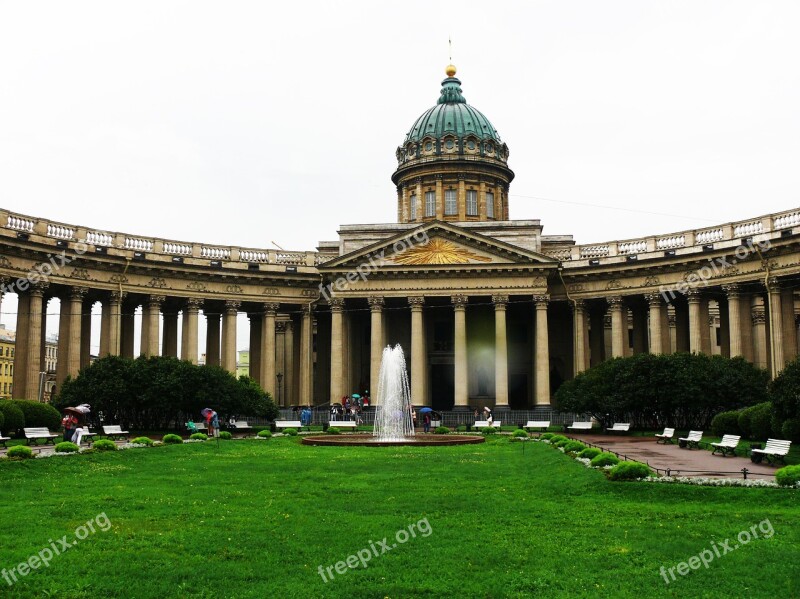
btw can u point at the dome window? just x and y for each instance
(471, 144)
(449, 144)
(428, 146)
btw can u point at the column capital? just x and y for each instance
(288, 325)
(117, 297)
(78, 293)
(280, 327)
(653, 300)
(336, 304)
(578, 305)
(773, 284)
(541, 300)
(376, 303)
(232, 306)
(759, 315)
(155, 300)
(271, 309)
(693, 296)
(307, 310)
(459, 301)
(193, 304)
(499, 301)
(438, 177)
(614, 302)
(38, 289)
(416, 302)
(733, 290)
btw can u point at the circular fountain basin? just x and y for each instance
(369, 440)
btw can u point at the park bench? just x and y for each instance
(114, 430)
(666, 436)
(200, 426)
(775, 449)
(240, 425)
(619, 427)
(726, 445)
(284, 424)
(88, 436)
(581, 426)
(693, 439)
(36, 433)
(343, 424)
(4, 439)
(485, 423)
(541, 424)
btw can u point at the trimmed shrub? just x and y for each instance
(604, 459)
(20, 452)
(225, 435)
(589, 452)
(334, 430)
(265, 434)
(784, 393)
(442, 430)
(755, 422)
(520, 433)
(66, 447)
(142, 441)
(546, 436)
(199, 437)
(461, 428)
(488, 430)
(788, 475)
(13, 416)
(561, 442)
(171, 439)
(557, 438)
(574, 447)
(104, 445)
(39, 414)
(726, 423)
(292, 432)
(629, 471)
(791, 430)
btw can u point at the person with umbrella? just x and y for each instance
(427, 415)
(74, 418)
(212, 422)
(489, 418)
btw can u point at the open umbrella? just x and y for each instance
(355, 396)
(425, 410)
(486, 409)
(206, 411)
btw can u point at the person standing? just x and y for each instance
(426, 421)
(70, 422)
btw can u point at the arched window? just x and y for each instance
(450, 204)
(430, 203)
(413, 201)
(489, 204)
(472, 202)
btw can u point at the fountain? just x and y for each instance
(393, 421)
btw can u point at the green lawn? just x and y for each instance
(257, 518)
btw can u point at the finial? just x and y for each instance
(450, 70)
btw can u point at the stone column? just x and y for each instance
(500, 352)
(337, 388)
(228, 358)
(419, 396)
(212, 339)
(461, 199)
(760, 347)
(482, 200)
(705, 326)
(268, 381)
(86, 334)
(460, 358)
(775, 327)
(280, 362)
(306, 367)
(420, 201)
(151, 322)
(189, 342)
(62, 365)
(619, 326)
(542, 352)
(170, 334)
(439, 197)
(656, 308)
(581, 332)
(34, 358)
(734, 319)
(75, 322)
(789, 331)
(105, 328)
(640, 328)
(696, 323)
(288, 364)
(115, 321)
(21, 345)
(376, 343)
(256, 330)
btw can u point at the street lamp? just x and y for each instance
(279, 376)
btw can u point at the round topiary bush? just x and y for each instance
(334, 430)
(442, 430)
(292, 432)
(573, 447)
(13, 416)
(557, 439)
(755, 422)
(104, 445)
(488, 430)
(604, 459)
(461, 428)
(791, 430)
(788, 476)
(142, 441)
(726, 423)
(20, 452)
(66, 447)
(39, 414)
(629, 471)
(546, 436)
(589, 453)
(171, 439)
(561, 442)
(265, 434)
(199, 437)
(225, 435)
(520, 433)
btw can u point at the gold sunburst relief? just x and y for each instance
(438, 251)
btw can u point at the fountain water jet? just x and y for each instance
(393, 422)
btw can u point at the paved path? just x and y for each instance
(680, 461)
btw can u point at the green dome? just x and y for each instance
(452, 115)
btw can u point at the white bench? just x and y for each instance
(200, 426)
(36, 433)
(4, 439)
(114, 430)
(581, 426)
(343, 424)
(486, 424)
(693, 439)
(85, 434)
(284, 424)
(727, 444)
(666, 436)
(774, 449)
(542, 424)
(240, 426)
(619, 427)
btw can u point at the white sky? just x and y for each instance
(244, 123)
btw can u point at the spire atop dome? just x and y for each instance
(450, 70)
(451, 88)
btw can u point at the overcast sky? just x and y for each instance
(247, 123)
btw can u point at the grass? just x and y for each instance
(257, 518)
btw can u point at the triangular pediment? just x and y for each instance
(437, 245)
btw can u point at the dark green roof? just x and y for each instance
(452, 115)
